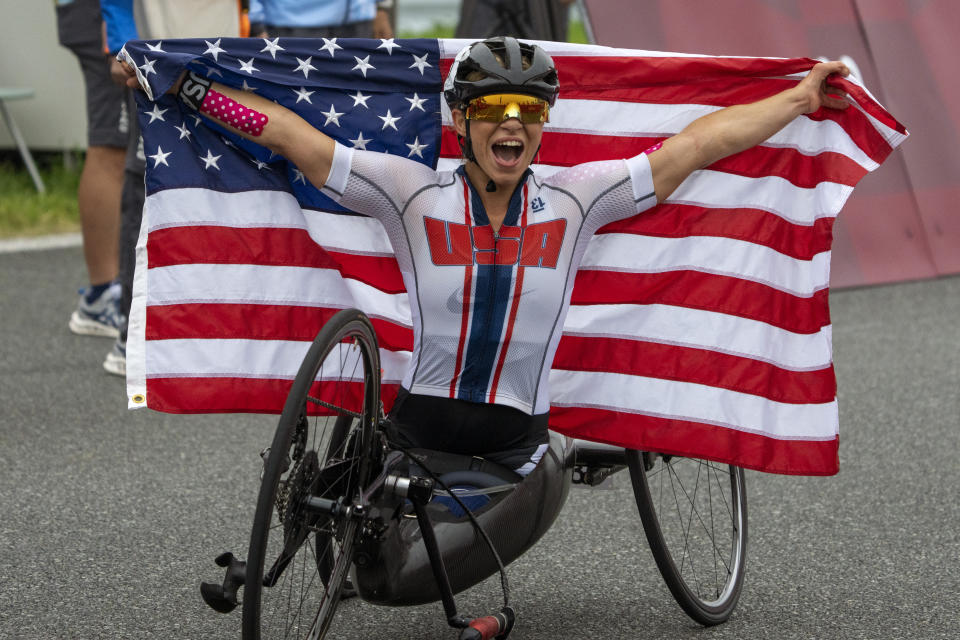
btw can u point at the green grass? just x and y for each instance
(23, 211)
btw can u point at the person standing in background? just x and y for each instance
(321, 18)
(531, 19)
(151, 20)
(80, 29)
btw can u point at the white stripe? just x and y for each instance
(264, 359)
(137, 322)
(703, 329)
(637, 119)
(696, 403)
(255, 284)
(450, 46)
(794, 204)
(707, 254)
(266, 209)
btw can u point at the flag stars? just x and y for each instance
(360, 99)
(420, 62)
(160, 158)
(416, 102)
(213, 49)
(272, 46)
(210, 160)
(156, 47)
(157, 114)
(248, 66)
(330, 44)
(246, 87)
(299, 177)
(363, 65)
(389, 45)
(360, 142)
(303, 94)
(416, 148)
(147, 66)
(332, 116)
(196, 120)
(184, 132)
(389, 121)
(305, 66)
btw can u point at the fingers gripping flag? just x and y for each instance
(699, 328)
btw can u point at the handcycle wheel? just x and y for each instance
(323, 447)
(694, 513)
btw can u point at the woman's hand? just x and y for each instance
(815, 91)
(123, 74)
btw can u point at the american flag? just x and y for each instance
(699, 328)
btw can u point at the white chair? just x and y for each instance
(17, 93)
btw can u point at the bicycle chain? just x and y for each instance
(299, 448)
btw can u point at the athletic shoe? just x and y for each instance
(101, 317)
(116, 360)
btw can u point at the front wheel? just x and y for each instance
(323, 448)
(694, 513)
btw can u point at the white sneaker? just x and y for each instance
(98, 318)
(116, 360)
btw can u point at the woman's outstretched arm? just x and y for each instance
(735, 129)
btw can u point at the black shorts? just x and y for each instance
(79, 29)
(495, 432)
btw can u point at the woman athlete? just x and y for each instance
(489, 252)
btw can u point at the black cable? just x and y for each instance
(504, 583)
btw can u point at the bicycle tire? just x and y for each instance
(710, 542)
(330, 456)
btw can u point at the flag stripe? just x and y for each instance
(760, 227)
(698, 440)
(697, 290)
(258, 322)
(672, 362)
(704, 329)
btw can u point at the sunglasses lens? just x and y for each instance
(499, 107)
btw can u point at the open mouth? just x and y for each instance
(508, 152)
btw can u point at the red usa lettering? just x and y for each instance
(536, 245)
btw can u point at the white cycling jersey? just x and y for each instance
(487, 307)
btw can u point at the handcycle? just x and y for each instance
(342, 511)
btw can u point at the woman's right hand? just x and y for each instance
(123, 73)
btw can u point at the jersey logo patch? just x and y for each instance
(537, 204)
(456, 244)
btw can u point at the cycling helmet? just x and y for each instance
(502, 65)
(498, 65)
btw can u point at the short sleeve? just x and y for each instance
(376, 184)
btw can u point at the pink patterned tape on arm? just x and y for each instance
(224, 109)
(654, 148)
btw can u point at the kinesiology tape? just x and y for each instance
(196, 92)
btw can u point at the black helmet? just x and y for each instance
(501, 62)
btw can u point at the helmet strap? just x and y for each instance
(466, 147)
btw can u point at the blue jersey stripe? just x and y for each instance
(494, 285)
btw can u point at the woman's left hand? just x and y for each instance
(817, 93)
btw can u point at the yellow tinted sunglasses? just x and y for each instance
(502, 106)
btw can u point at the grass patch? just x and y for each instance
(23, 211)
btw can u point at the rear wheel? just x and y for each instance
(694, 513)
(323, 447)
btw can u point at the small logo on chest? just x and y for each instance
(537, 204)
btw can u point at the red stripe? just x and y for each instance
(806, 171)
(750, 225)
(517, 290)
(256, 322)
(699, 366)
(231, 395)
(696, 440)
(465, 310)
(706, 291)
(269, 247)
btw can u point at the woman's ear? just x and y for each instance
(459, 122)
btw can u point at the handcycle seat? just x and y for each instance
(396, 570)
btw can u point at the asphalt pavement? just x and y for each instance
(109, 519)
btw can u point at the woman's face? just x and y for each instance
(504, 149)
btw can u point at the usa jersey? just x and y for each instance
(487, 308)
